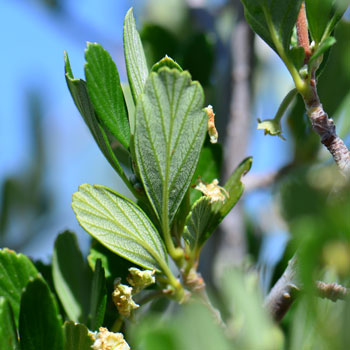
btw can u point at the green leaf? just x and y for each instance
(120, 225)
(135, 60)
(106, 93)
(113, 265)
(198, 222)
(98, 297)
(8, 333)
(322, 48)
(71, 276)
(40, 327)
(322, 17)
(334, 83)
(76, 337)
(15, 272)
(166, 62)
(262, 15)
(170, 130)
(209, 166)
(78, 90)
(234, 186)
(205, 216)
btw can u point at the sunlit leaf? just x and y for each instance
(135, 60)
(15, 272)
(78, 90)
(8, 333)
(106, 93)
(170, 130)
(120, 225)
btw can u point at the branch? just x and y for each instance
(284, 292)
(320, 122)
(286, 289)
(332, 291)
(325, 128)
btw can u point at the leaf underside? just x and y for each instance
(135, 60)
(119, 225)
(169, 133)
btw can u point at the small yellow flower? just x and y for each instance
(105, 340)
(122, 298)
(140, 279)
(213, 190)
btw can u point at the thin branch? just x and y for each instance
(284, 292)
(286, 289)
(332, 291)
(320, 122)
(325, 128)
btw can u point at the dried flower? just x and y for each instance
(213, 190)
(213, 133)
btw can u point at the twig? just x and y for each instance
(325, 128)
(283, 293)
(286, 289)
(320, 122)
(332, 291)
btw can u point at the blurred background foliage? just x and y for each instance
(47, 152)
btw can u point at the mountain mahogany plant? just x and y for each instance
(146, 249)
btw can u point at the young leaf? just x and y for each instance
(262, 15)
(166, 62)
(98, 297)
(234, 186)
(169, 133)
(322, 48)
(76, 337)
(106, 93)
(120, 225)
(209, 166)
(135, 60)
(40, 326)
(78, 90)
(198, 222)
(15, 272)
(71, 276)
(322, 17)
(205, 215)
(8, 334)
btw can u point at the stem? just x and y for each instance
(284, 104)
(283, 293)
(299, 83)
(303, 33)
(117, 324)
